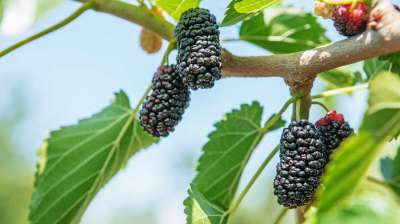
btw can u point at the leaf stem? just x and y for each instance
(281, 214)
(321, 105)
(73, 16)
(164, 60)
(143, 98)
(267, 126)
(377, 181)
(341, 2)
(340, 91)
(171, 46)
(274, 119)
(242, 195)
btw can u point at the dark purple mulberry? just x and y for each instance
(199, 50)
(303, 157)
(164, 106)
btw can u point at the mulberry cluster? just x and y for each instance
(349, 22)
(334, 129)
(199, 50)
(303, 157)
(164, 107)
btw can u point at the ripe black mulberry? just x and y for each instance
(350, 22)
(199, 50)
(303, 157)
(334, 129)
(164, 106)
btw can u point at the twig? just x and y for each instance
(379, 182)
(321, 105)
(242, 195)
(267, 126)
(171, 46)
(340, 91)
(87, 5)
(281, 215)
(276, 117)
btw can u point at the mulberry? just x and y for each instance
(350, 22)
(303, 157)
(334, 129)
(164, 106)
(199, 50)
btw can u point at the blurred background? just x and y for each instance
(72, 73)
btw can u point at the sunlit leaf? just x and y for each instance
(367, 208)
(232, 16)
(176, 7)
(384, 105)
(202, 211)
(350, 162)
(78, 160)
(251, 6)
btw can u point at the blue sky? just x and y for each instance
(74, 72)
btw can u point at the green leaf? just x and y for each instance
(279, 124)
(283, 30)
(368, 208)
(201, 210)
(384, 105)
(357, 153)
(176, 7)
(394, 60)
(232, 16)
(390, 169)
(251, 6)
(374, 66)
(78, 160)
(221, 165)
(338, 78)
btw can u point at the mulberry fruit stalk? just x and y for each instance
(334, 129)
(163, 108)
(349, 22)
(199, 50)
(303, 157)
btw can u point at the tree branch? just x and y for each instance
(298, 69)
(383, 37)
(136, 14)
